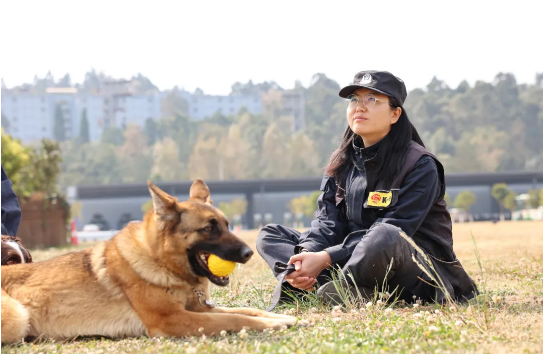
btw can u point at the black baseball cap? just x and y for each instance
(379, 81)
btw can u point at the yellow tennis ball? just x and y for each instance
(219, 266)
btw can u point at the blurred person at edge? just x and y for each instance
(11, 211)
(380, 181)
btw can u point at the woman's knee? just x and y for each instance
(389, 229)
(380, 246)
(262, 235)
(268, 233)
(379, 253)
(382, 236)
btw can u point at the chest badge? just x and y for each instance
(379, 199)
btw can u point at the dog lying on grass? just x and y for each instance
(150, 279)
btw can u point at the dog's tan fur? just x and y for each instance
(138, 283)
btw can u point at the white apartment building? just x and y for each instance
(94, 105)
(293, 104)
(136, 109)
(202, 106)
(26, 116)
(30, 117)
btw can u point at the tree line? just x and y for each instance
(36, 169)
(487, 127)
(484, 127)
(506, 198)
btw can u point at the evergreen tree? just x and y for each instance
(59, 129)
(464, 200)
(151, 131)
(5, 123)
(84, 127)
(112, 135)
(500, 191)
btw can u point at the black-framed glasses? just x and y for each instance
(369, 100)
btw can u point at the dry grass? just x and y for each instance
(507, 318)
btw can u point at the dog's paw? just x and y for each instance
(285, 322)
(281, 323)
(279, 316)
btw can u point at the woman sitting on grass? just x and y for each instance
(379, 182)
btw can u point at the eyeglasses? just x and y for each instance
(369, 100)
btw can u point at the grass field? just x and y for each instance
(506, 318)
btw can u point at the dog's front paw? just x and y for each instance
(281, 323)
(291, 321)
(277, 316)
(303, 323)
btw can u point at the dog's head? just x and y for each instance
(188, 232)
(13, 251)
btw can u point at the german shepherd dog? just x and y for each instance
(150, 279)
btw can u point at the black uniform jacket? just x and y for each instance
(11, 211)
(416, 206)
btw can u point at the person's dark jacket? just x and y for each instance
(344, 217)
(11, 211)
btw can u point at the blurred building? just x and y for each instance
(124, 103)
(293, 104)
(30, 117)
(28, 114)
(202, 106)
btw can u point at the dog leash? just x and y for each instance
(283, 271)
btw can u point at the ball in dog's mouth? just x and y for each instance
(202, 259)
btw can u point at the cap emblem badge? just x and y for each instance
(366, 79)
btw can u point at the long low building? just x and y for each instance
(117, 204)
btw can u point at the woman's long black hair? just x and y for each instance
(400, 135)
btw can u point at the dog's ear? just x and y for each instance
(164, 205)
(199, 192)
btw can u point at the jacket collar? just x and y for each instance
(364, 154)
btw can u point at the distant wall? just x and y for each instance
(485, 206)
(113, 208)
(42, 225)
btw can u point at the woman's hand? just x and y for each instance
(308, 266)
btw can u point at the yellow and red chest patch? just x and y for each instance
(379, 199)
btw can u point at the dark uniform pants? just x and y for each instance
(381, 255)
